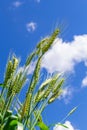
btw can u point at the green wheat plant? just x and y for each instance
(27, 114)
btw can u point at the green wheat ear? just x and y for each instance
(2, 103)
(37, 69)
(46, 88)
(35, 75)
(57, 91)
(58, 86)
(40, 94)
(21, 81)
(42, 42)
(29, 58)
(15, 63)
(10, 70)
(55, 96)
(16, 84)
(26, 106)
(44, 84)
(50, 41)
(46, 43)
(51, 85)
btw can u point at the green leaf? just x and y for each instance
(8, 121)
(63, 125)
(59, 124)
(42, 126)
(8, 113)
(13, 125)
(72, 111)
(0, 117)
(1, 84)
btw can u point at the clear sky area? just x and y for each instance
(23, 23)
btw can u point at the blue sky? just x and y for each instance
(24, 23)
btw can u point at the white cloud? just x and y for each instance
(66, 95)
(67, 123)
(29, 69)
(17, 4)
(31, 26)
(84, 82)
(63, 56)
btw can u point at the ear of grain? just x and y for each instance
(51, 85)
(20, 83)
(44, 84)
(50, 41)
(12, 86)
(46, 88)
(29, 59)
(16, 84)
(15, 63)
(37, 70)
(39, 96)
(40, 44)
(2, 103)
(8, 72)
(55, 96)
(26, 106)
(58, 86)
(35, 76)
